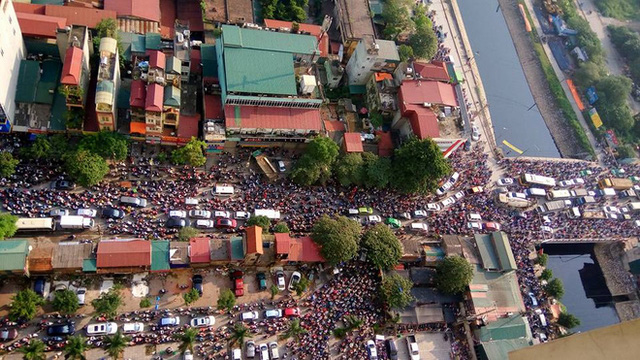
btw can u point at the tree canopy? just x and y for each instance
(612, 105)
(568, 320)
(65, 301)
(349, 169)
(8, 226)
(337, 237)
(190, 154)
(24, 305)
(281, 227)
(405, 52)
(382, 246)
(396, 18)
(555, 288)
(376, 169)
(191, 296)
(288, 10)
(424, 41)
(395, 291)
(314, 166)
(115, 344)
(187, 340)
(417, 166)
(85, 167)
(35, 350)
(75, 348)
(261, 220)
(226, 300)
(7, 164)
(108, 303)
(453, 274)
(187, 233)
(108, 144)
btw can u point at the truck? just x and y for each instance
(607, 192)
(556, 205)
(579, 192)
(591, 214)
(585, 200)
(412, 345)
(75, 222)
(265, 165)
(616, 183)
(634, 206)
(514, 201)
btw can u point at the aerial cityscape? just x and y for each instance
(319, 179)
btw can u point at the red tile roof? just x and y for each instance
(304, 249)
(40, 25)
(315, 30)
(155, 94)
(423, 122)
(199, 250)
(258, 117)
(254, 240)
(353, 142)
(332, 126)
(188, 126)
(282, 243)
(196, 66)
(79, 16)
(157, 59)
(416, 93)
(213, 107)
(189, 10)
(436, 70)
(123, 253)
(167, 18)
(28, 8)
(138, 93)
(385, 144)
(143, 9)
(72, 69)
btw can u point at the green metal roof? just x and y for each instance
(259, 72)
(39, 47)
(48, 2)
(173, 65)
(499, 349)
(500, 289)
(487, 254)
(105, 85)
(234, 36)
(172, 96)
(160, 255)
(131, 43)
(13, 254)
(513, 327)
(57, 121)
(503, 250)
(123, 98)
(51, 70)
(357, 89)
(89, 265)
(28, 79)
(152, 42)
(209, 60)
(237, 248)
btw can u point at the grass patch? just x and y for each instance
(619, 9)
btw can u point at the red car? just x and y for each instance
(238, 283)
(492, 226)
(226, 223)
(292, 312)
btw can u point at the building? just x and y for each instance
(371, 55)
(310, 29)
(353, 20)
(253, 245)
(297, 250)
(352, 143)
(36, 93)
(40, 26)
(225, 11)
(502, 336)
(160, 256)
(69, 256)
(619, 341)
(12, 51)
(40, 259)
(199, 252)
(123, 256)
(108, 84)
(80, 16)
(382, 93)
(73, 45)
(13, 256)
(137, 16)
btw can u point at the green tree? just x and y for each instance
(187, 340)
(33, 351)
(65, 301)
(424, 42)
(8, 226)
(377, 170)
(382, 247)
(24, 305)
(274, 291)
(190, 154)
(108, 144)
(546, 274)
(315, 165)
(115, 344)
(281, 227)
(294, 331)
(567, 320)
(395, 291)
(239, 334)
(555, 288)
(60, 146)
(40, 149)
(191, 296)
(302, 285)
(349, 169)
(187, 233)
(7, 164)
(417, 166)
(75, 348)
(86, 168)
(626, 41)
(145, 303)
(337, 237)
(405, 52)
(588, 74)
(226, 300)
(396, 18)
(261, 220)
(376, 119)
(542, 259)
(453, 274)
(108, 303)
(625, 151)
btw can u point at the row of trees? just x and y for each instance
(288, 10)
(416, 166)
(422, 41)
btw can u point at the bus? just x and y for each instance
(35, 224)
(558, 194)
(537, 180)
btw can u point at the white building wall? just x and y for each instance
(359, 65)
(12, 52)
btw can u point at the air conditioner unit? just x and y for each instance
(160, 80)
(427, 105)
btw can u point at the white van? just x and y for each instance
(236, 354)
(281, 166)
(223, 190)
(574, 213)
(270, 213)
(273, 347)
(535, 192)
(474, 217)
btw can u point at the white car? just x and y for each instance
(374, 219)
(295, 278)
(459, 195)
(200, 214)
(448, 201)
(273, 314)
(80, 293)
(578, 181)
(474, 226)
(87, 212)
(132, 328)
(241, 215)
(106, 328)
(504, 182)
(433, 207)
(249, 316)
(58, 212)
(178, 213)
(444, 188)
(545, 228)
(419, 214)
(517, 195)
(566, 183)
(205, 224)
(371, 350)
(611, 216)
(203, 321)
(264, 352)
(611, 209)
(475, 133)
(222, 214)
(280, 280)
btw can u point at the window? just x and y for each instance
(10, 20)
(2, 52)
(4, 7)
(14, 32)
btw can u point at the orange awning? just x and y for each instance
(138, 127)
(383, 76)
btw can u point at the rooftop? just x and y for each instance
(495, 294)
(495, 251)
(157, 59)
(78, 15)
(257, 117)
(353, 142)
(254, 240)
(199, 250)
(188, 126)
(436, 70)
(355, 18)
(143, 9)
(302, 249)
(209, 61)
(219, 249)
(13, 255)
(424, 122)
(72, 69)
(37, 25)
(160, 255)
(312, 29)
(172, 96)
(259, 71)
(285, 42)
(418, 92)
(138, 93)
(511, 327)
(70, 255)
(155, 95)
(123, 253)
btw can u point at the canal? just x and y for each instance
(585, 292)
(511, 105)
